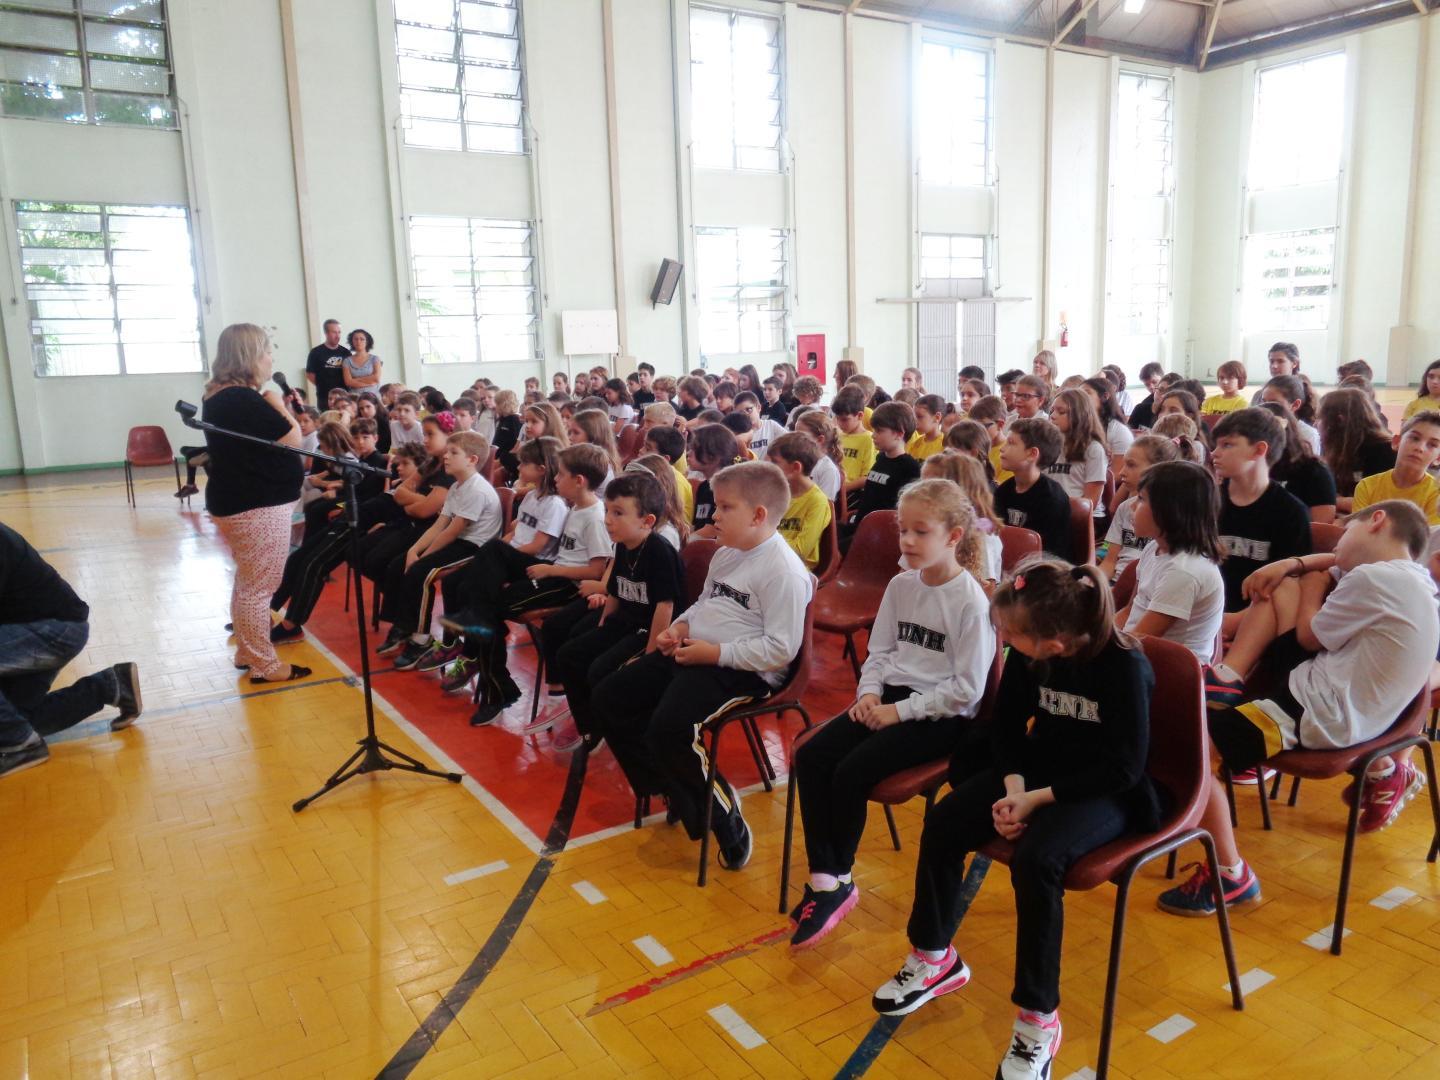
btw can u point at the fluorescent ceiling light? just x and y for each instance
(1133, 7)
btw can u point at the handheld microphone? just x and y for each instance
(278, 377)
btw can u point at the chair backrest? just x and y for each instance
(1015, 544)
(829, 565)
(1211, 419)
(696, 558)
(1324, 537)
(630, 441)
(1179, 742)
(1124, 588)
(797, 680)
(992, 682)
(488, 468)
(874, 555)
(507, 508)
(148, 442)
(1107, 494)
(1082, 531)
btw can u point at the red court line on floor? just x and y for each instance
(645, 989)
(524, 772)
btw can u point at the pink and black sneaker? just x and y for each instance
(820, 912)
(918, 981)
(1034, 1043)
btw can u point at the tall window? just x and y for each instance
(735, 89)
(86, 62)
(742, 278)
(952, 257)
(474, 289)
(1299, 123)
(1138, 301)
(1288, 279)
(954, 114)
(111, 289)
(460, 85)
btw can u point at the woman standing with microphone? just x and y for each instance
(252, 490)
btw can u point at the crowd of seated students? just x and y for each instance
(1211, 517)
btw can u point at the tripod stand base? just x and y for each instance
(370, 757)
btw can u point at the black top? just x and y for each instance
(1143, 415)
(641, 398)
(327, 365)
(649, 575)
(30, 588)
(1375, 457)
(507, 434)
(777, 412)
(884, 481)
(370, 484)
(1309, 481)
(687, 412)
(704, 504)
(244, 476)
(1275, 526)
(1045, 508)
(1091, 736)
(437, 479)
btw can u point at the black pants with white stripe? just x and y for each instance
(408, 595)
(495, 587)
(651, 712)
(585, 652)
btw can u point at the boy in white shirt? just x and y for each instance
(1342, 658)
(764, 431)
(734, 644)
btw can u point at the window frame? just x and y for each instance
(987, 167)
(1145, 308)
(1253, 182)
(84, 55)
(1252, 287)
(781, 87)
(785, 237)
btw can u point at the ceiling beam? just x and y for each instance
(1030, 9)
(1290, 37)
(1074, 21)
(1206, 37)
(1422, 7)
(854, 6)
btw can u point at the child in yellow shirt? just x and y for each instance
(1416, 448)
(990, 413)
(929, 437)
(1429, 397)
(1231, 378)
(857, 445)
(808, 515)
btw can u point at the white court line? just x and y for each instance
(1389, 901)
(1320, 939)
(657, 817)
(656, 953)
(1169, 1030)
(1252, 980)
(736, 1027)
(476, 872)
(591, 894)
(1086, 1073)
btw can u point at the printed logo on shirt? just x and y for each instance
(878, 477)
(1130, 540)
(1060, 468)
(719, 588)
(1245, 548)
(703, 511)
(790, 525)
(1015, 517)
(568, 542)
(1057, 703)
(914, 634)
(528, 519)
(850, 451)
(636, 592)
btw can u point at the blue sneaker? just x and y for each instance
(1222, 693)
(27, 755)
(1196, 896)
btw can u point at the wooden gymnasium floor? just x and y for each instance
(164, 913)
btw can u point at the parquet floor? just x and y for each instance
(163, 913)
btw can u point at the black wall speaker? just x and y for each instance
(666, 282)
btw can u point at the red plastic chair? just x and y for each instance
(146, 447)
(629, 443)
(1107, 494)
(1180, 763)
(1082, 531)
(507, 508)
(696, 558)
(1123, 590)
(848, 602)
(1017, 544)
(1324, 537)
(829, 564)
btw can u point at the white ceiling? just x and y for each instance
(1200, 33)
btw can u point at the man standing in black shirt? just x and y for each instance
(43, 626)
(325, 366)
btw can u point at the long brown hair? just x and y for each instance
(946, 503)
(1347, 425)
(822, 427)
(1085, 426)
(554, 422)
(1052, 599)
(966, 471)
(598, 432)
(659, 467)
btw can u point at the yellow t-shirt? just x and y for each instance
(1381, 486)
(1001, 475)
(805, 521)
(1420, 404)
(1220, 404)
(920, 447)
(857, 452)
(865, 418)
(687, 493)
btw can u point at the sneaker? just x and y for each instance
(457, 675)
(1386, 796)
(466, 622)
(1222, 693)
(918, 981)
(280, 633)
(1033, 1047)
(30, 753)
(821, 912)
(542, 722)
(394, 641)
(186, 491)
(1251, 777)
(735, 854)
(565, 736)
(440, 656)
(1196, 896)
(411, 654)
(127, 683)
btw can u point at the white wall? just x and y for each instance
(361, 183)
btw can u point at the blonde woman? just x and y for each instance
(252, 490)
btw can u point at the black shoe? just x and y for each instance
(229, 627)
(280, 633)
(672, 816)
(806, 895)
(411, 654)
(486, 714)
(733, 837)
(393, 643)
(296, 673)
(821, 912)
(32, 752)
(127, 683)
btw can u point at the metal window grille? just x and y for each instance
(474, 289)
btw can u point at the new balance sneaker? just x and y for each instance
(1033, 1047)
(1222, 693)
(127, 696)
(733, 834)
(918, 981)
(1196, 896)
(440, 656)
(1386, 796)
(1251, 777)
(457, 674)
(821, 911)
(394, 641)
(28, 754)
(411, 654)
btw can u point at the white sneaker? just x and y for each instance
(1032, 1050)
(919, 981)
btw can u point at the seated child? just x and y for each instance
(1122, 544)
(990, 413)
(1231, 378)
(405, 421)
(929, 438)
(964, 471)
(930, 653)
(1030, 499)
(808, 515)
(735, 642)
(971, 439)
(891, 426)
(820, 428)
(669, 443)
(712, 448)
(775, 409)
(764, 430)
(1334, 663)
(672, 526)
(857, 447)
(1417, 448)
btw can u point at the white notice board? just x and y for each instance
(589, 333)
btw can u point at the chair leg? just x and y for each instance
(894, 833)
(1170, 865)
(1275, 784)
(854, 655)
(177, 474)
(347, 589)
(790, 841)
(1112, 977)
(129, 486)
(1229, 781)
(539, 673)
(642, 809)
(709, 803)
(1222, 916)
(1264, 799)
(1294, 791)
(757, 751)
(1434, 800)
(1431, 731)
(1342, 899)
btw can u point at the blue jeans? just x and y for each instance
(31, 655)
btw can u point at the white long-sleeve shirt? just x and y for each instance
(753, 607)
(935, 639)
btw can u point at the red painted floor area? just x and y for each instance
(525, 772)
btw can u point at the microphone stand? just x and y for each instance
(370, 755)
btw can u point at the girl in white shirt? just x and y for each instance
(1179, 594)
(931, 651)
(1084, 459)
(621, 405)
(1122, 544)
(967, 471)
(828, 471)
(1118, 435)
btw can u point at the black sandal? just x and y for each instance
(296, 672)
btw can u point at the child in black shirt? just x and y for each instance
(891, 426)
(712, 447)
(1030, 499)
